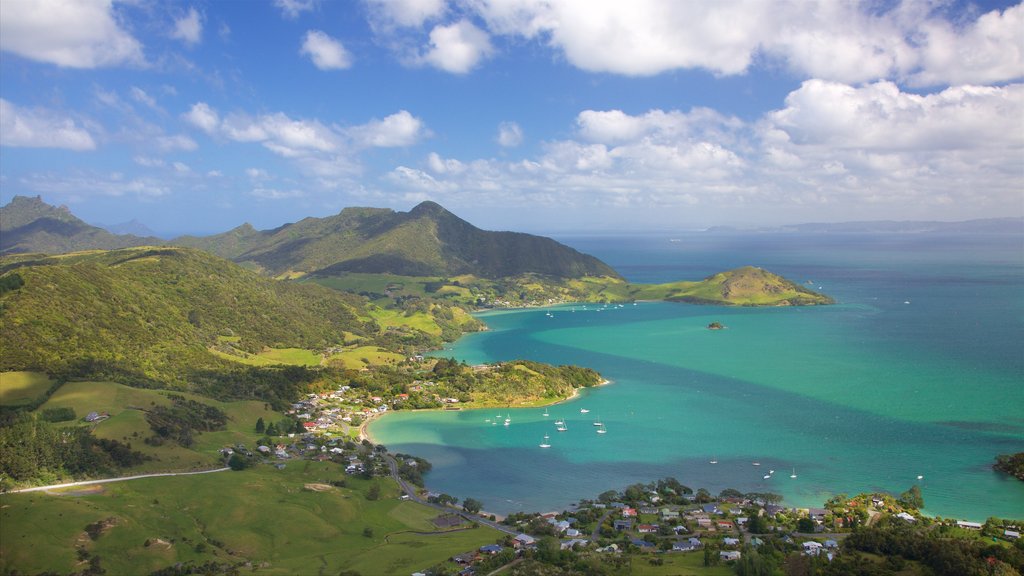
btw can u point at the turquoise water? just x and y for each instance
(917, 371)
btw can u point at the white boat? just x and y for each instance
(584, 410)
(767, 476)
(508, 421)
(559, 422)
(562, 427)
(601, 429)
(757, 463)
(598, 422)
(920, 477)
(546, 413)
(713, 461)
(793, 475)
(544, 442)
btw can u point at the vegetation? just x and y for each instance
(31, 225)
(1012, 464)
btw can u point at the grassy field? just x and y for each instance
(365, 356)
(387, 318)
(127, 422)
(261, 515)
(17, 388)
(679, 564)
(294, 356)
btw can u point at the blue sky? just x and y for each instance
(534, 115)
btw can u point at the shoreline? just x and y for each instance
(364, 428)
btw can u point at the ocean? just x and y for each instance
(918, 370)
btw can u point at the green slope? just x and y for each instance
(155, 311)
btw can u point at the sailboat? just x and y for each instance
(561, 427)
(601, 429)
(793, 475)
(559, 422)
(544, 442)
(597, 422)
(713, 461)
(767, 476)
(508, 420)
(546, 413)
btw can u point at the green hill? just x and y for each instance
(746, 286)
(156, 311)
(426, 241)
(31, 225)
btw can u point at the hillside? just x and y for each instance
(31, 225)
(426, 241)
(746, 286)
(155, 311)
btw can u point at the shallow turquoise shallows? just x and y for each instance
(918, 371)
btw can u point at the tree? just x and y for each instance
(260, 426)
(374, 492)
(912, 498)
(805, 525)
(472, 505)
(730, 493)
(238, 462)
(703, 496)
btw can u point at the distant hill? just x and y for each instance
(745, 286)
(426, 241)
(133, 227)
(31, 225)
(156, 311)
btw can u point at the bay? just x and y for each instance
(918, 370)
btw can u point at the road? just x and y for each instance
(411, 492)
(109, 480)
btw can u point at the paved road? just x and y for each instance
(597, 530)
(108, 480)
(411, 492)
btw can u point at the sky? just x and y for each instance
(532, 115)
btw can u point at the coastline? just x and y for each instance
(364, 428)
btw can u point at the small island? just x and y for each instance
(716, 326)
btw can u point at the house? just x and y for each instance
(621, 525)
(465, 558)
(1011, 534)
(729, 555)
(648, 510)
(684, 547)
(731, 541)
(572, 532)
(490, 549)
(525, 540)
(817, 514)
(667, 514)
(968, 525)
(773, 509)
(609, 548)
(96, 416)
(831, 544)
(704, 522)
(906, 517)
(755, 541)
(812, 548)
(724, 525)
(642, 543)
(711, 509)
(647, 528)
(627, 512)
(570, 544)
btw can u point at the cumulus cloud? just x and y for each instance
(398, 129)
(510, 134)
(81, 185)
(203, 117)
(175, 143)
(41, 128)
(83, 34)
(870, 148)
(843, 41)
(404, 13)
(988, 50)
(140, 96)
(188, 28)
(291, 9)
(326, 52)
(457, 48)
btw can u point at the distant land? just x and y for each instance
(133, 227)
(1011, 225)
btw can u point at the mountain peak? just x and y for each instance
(428, 208)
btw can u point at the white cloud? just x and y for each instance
(82, 185)
(396, 130)
(142, 97)
(176, 142)
(257, 173)
(293, 8)
(843, 41)
(73, 34)
(203, 117)
(510, 134)
(444, 165)
(41, 128)
(407, 13)
(988, 50)
(275, 194)
(457, 48)
(326, 52)
(189, 28)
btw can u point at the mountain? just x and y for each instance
(426, 241)
(157, 311)
(31, 225)
(745, 286)
(133, 227)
